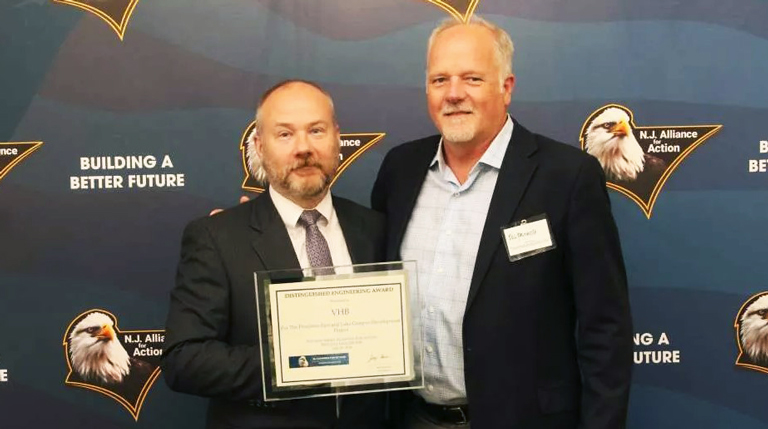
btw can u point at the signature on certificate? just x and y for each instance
(374, 358)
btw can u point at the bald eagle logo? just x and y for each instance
(611, 140)
(120, 364)
(638, 160)
(352, 146)
(752, 333)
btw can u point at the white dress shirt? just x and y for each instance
(328, 224)
(443, 236)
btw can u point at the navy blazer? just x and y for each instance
(211, 343)
(548, 338)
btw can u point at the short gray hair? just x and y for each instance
(503, 47)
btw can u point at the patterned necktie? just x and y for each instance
(317, 247)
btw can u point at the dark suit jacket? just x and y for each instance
(547, 339)
(211, 334)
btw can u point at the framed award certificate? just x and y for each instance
(354, 330)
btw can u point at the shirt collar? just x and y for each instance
(492, 157)
(290, 212)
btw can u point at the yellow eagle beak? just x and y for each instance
(621, 129)
(106, 333)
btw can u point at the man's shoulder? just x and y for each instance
(425, 145)
(230, 217)
(351, 208)
(557, 151)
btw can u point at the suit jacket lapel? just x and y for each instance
(516, 171)
(406, 192)
(272, 243)
(359, 246)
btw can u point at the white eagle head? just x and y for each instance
(609, 138)
(754, 330)
(253, 158)
(95, 351)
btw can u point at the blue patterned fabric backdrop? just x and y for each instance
(122, 120)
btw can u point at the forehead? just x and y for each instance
(462, 47)
(296, 104)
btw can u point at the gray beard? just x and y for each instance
(295, 187)
(459, 134)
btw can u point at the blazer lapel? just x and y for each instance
(406, 192)
(516, 171)
(359, 246)
(272, 243)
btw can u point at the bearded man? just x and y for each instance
(211, 346)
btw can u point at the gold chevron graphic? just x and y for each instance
(116, 13)
(459, 9)
(17, 151)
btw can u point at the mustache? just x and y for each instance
(306, 162)
(448, 109)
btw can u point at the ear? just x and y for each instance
(508, 88)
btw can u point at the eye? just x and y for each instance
(438, 80)
(608, 125)
(91, 330)
(762, 312)
(317, 131)
(474, 79)
(283, 134)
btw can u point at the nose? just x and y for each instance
(456, 90)
(303, 145)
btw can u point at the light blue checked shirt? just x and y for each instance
(443, 236)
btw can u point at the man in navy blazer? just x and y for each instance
(531, 336)
(211, 343)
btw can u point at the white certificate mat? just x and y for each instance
(341, 331)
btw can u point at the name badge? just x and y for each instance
(528, 237)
